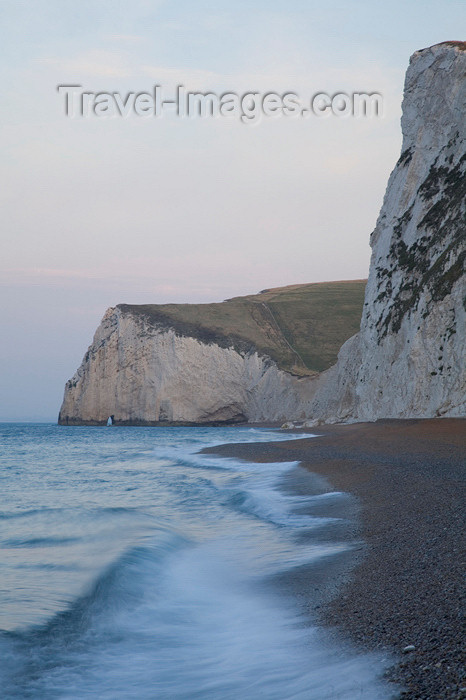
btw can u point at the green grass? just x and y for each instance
(301, 327)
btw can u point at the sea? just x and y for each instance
(132, 566)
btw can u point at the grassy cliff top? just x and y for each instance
(301, 327)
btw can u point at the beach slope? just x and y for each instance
(408, 589)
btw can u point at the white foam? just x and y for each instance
(184, 612)
(198, 629)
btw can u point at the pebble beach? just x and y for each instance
(405, 594)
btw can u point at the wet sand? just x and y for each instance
(407, 589)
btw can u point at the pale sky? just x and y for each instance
(97, 212)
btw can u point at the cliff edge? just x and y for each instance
(258, 358)
(408, 360)
(245, 359)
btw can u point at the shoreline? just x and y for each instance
(406, 588)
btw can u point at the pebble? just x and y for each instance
(413, 561)
(409, 648)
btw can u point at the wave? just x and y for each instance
(169, 561)
(177, 620)
(17, 542)
(273, 507)
(12, 515)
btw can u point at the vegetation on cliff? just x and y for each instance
(301, 327)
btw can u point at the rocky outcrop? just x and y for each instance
(159, 365)
(408, 359)
(147, 372)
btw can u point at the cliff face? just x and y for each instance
(247, 359)
(408, 359)
(147, 373)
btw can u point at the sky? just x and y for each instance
(101, 211)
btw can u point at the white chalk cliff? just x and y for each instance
(408, 360)
(145, 372)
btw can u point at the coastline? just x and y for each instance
(406, 587)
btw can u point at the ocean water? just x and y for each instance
(133, 567)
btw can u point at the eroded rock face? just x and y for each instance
(142, 372)
(409, 358)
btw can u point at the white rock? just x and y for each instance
(408, 359)
(139, 371)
